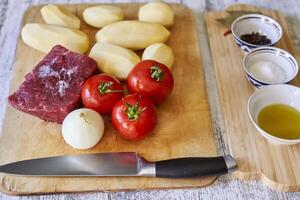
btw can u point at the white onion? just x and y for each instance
(83, 128)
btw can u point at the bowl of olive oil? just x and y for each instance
(275, 112)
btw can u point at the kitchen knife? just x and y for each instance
(121, 164)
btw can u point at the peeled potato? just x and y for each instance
(157, 12)
(160, 53)
(133, 34)
(59, 16)
(99, 16)
(113, 59)
(43, 37)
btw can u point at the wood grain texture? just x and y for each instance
(225, 187)
(183, 130)
(276, 165)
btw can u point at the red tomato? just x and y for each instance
(101, 93)
(134, 117)
(151, 79)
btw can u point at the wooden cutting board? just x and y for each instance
(277, 166)
(184, 123)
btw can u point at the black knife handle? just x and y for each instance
(195, 167)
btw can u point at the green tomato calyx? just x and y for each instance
(104, 88)
(156, 73)
(133, 111)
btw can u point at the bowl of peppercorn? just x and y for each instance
(254, 30)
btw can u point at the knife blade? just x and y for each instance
(121, 164)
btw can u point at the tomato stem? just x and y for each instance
(104, 88)
(133, 111)
(156, 73)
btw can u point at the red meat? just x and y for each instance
(52, 89)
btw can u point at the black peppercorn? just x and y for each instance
(256, 38)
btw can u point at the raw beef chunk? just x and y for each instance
(52, 89)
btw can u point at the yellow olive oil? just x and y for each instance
(280, 120)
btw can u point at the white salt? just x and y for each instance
(62, 86)
(267, 71)
(46, 70)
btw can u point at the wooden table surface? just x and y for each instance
(226, 187)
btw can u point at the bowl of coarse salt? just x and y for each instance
(268, 66)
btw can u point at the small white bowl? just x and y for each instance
(268, 66)
(256, 23)
(273, 94)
